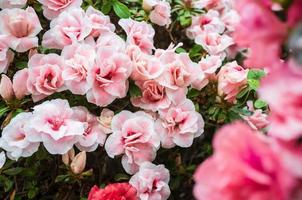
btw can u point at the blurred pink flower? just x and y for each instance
(294, 14)
(20, 28)
(179, 125)
(52, 8)
(108, 77)
(100, 23)
(151, 182)
(12, 3)
(52, 124)
(243, 166)
(258, 120)
(70, 26)
(232, 78)
(79, 59)
(15, 140)
(138, 33)
(161, 14)
(134, 137)
(45, 75)
(6, 55)
(93, 135)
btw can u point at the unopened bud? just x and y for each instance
(79, 162)
(68, 157)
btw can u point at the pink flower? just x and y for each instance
(20, 27)
(52, 124)
(161, 14)
(145, 66)
(15, 140)
(179, 73)
(134, 137)
(93, 135)
(52, 8)
(214, 43)
(209, 22)
(100, 23)
(116, 191)
(283, 92)
(105, 120)
(208, 66)
(70, 26)
(294, 14)
(12, 3)
(243, 167)
(231, 19)
(111, 40)
(258, 120)
(79, 59)
(2, 159)
(138, 33)
(108, 77)
(45, 75)
(151, 182)
(6, 55)
(179, 125)
(154, 96)
(232, 78)
(261, 31)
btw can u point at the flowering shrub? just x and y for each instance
(151, 99)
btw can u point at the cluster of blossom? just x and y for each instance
(248, 164)
(213, 28)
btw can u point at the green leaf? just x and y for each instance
(255, 74)
(4, 110)
(121, 9)
(106, 7)
(61, 178)
(195, 51)
(260, 104)
(21, 64)
(32, 193)
(253, 83)
(243, 92)
(13, 171)
(193, 93)
(180, 50)
(121, 177)
(134, 90)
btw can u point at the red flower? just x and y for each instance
(116, 191)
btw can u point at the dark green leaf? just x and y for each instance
(4, 110)
(195, 51)
(134, 90)
(21, 64)
(61, 178)
(121, 9)
(13, 171)
(121, 177)
(106, 7)
(193, 93)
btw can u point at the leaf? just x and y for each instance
(180, 50)
(195, 51)
(134, 90)
(121, 177)
(121, 9)
(21, 65)
(260, 104)
(255, 74)
(13, 171)
(253, 83)
(193, 93)
(4, 110)
(32, 193)
(243, 92)
(61, 178)
(106, 7)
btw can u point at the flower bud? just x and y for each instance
(79, 162)
(149, 4)
(6, 88)
(68, 157)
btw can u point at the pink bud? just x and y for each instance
(32, 52)
(19, 83)
(79, 162)
(68, 157)
(105, 120)
(6, 88)
(149, 4)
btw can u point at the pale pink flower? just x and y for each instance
(105, 120)
(133, 137)
(151, 182)
(52, 124)
(161, 14)
(145, 66)
(258, 120)
(6, 55)
(93, 135)
(12, 3)
(231, 19)
(45, 75)
(20, 27)
(282, 90)
(138, 33)
(79, 59)
(70, 26)
(52, 8)
(232, 78)
(179, 125)
(243, 166)
(2, 159)
(14, 138)
(179, 73)
(108, 77)
(154, 96)
(111, 40)
(100, 23)
(208, 22)
(214, 43)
